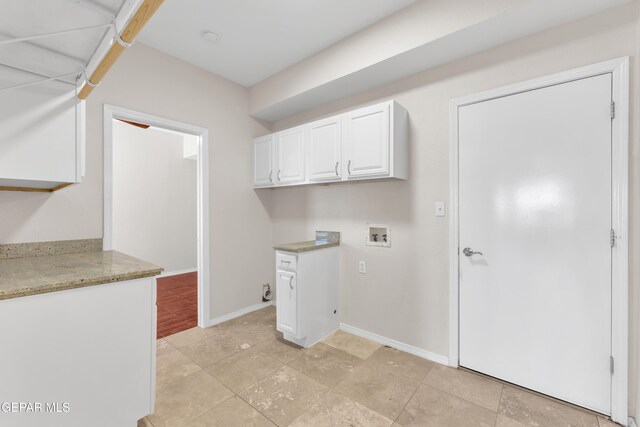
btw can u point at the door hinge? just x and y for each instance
(611, 363)
(613, 110)
(612, 238)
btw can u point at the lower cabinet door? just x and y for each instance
(287, 302)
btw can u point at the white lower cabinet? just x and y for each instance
(307, 287)
(287, 304)
(87, 355)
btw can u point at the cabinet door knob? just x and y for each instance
(278, 175)
(271, 176)
(291, 282)
(337, 169)
(349, 167)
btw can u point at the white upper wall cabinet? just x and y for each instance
(290, 156)
(324, 141)
(263, 161)
(41, 135)
(368, 143)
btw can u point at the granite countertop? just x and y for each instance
(310, 245)
(26, 276)
(324, 239)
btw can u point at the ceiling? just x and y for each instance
(54, 55)
(258, 38)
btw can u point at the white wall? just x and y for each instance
(154, 197)
(404, 294)
(151, 82)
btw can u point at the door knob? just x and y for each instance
(470, 252)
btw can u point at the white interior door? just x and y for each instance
(290, 156)
(535, 200)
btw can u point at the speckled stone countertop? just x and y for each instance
(324, 239)
(56, 247)
(26, 276)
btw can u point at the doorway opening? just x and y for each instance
(156, 208)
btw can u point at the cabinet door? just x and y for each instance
(263, 161)
(325, 149)
(286, 302)
(38, 133)
(367, 142)
(290, 156)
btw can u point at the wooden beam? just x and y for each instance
(27, 189)
(128, 35)
(36, 190)
(136, 124)
(61, 186)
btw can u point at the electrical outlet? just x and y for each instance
(439, 208)
(362, 267)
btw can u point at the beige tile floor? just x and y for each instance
(241, 373)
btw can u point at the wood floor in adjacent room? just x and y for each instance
(177, 300)
(241, 373)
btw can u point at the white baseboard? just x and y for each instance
(239, 313)
(444, 360)
(176, 272)
(632, 422)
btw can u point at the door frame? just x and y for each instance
(619, 68)
(111, 112)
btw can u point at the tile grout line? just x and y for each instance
(362, 361)
(532, 392)
(412, 394)
(462, 398)
(213, 407)
(499, 404)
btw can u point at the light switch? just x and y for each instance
(439, 208)
(362, 267)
